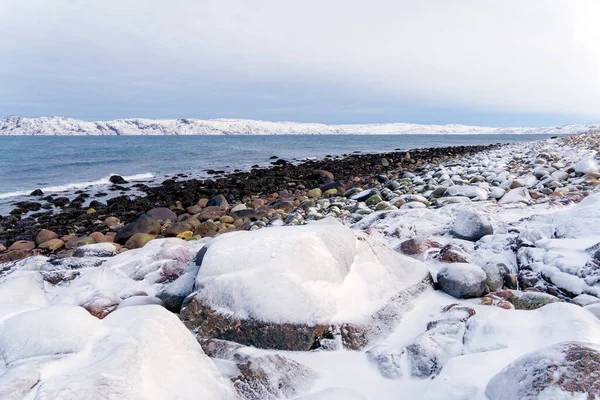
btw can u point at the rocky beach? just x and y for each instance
(468, 272)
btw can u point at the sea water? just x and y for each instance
(59, 164)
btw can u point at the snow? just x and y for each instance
(530, 330)
(312, 274)
(518, 195)
(525, 377)
(44, 332)
(580, 220)
(24, 289)
(139, 126)
(587, 166)
(323, 272)
(473, 192)
(141, 352)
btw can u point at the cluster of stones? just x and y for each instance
(282, 194)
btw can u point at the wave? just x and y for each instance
(76, 185)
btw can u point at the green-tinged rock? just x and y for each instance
(313, 193)
(52, 245)
(373, 200)
(142, 224)
(531, 300)
(138, 240)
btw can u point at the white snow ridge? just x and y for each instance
(64, 126)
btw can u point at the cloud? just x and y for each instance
(271, 57)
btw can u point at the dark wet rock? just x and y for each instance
(162, 214)
(568, 367)
(218, 201)
(178, 228)
(200, 255)
(174, 293)
(142, 224)
(324, 176)
(363, 195)
(211, 212)
(37, 192)
(209, 324)
(248, 213)
(280, 162)
(417, 246)
(117, 180)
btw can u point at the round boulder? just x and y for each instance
(162, 214)
(471, 226)
(558, 371)
(462, 280)
(145, 223)
(138, 240)
(44, 235)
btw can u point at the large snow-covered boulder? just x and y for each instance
(259, 377)
(462, 280)
(425, 355)
(470, 225)
(587, 166)
(62, 352)
(559, 371)
(306, 276)
(579, 221)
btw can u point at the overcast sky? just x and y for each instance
(479, 62)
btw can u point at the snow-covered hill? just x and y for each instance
(138, 126)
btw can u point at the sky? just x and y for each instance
(475, 62)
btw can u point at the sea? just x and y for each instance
(61, 165)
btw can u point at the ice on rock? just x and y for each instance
(48, 331)
(24, 288)
(469, 225)
(566, 370)
(312, 274)
(587, 166)
(473, 192)
(96, 250)
(518, 195)
(594, 309)
(580, 221)
(530, 330)
(158, 260)
(134, 301)
(462, 280)
(137, 353)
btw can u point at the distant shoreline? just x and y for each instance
(64, 126)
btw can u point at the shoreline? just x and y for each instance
(439, 264)
(281, 180)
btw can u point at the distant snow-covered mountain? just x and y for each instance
(63, 126)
